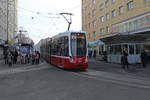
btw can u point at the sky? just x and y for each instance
(41, 19)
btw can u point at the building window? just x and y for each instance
(94, 35)
(102, 19)
(94, 23)
(101, 7)
(101, 31)
(89, 25)
(130, 5)
(93, 1)
(146, 0)
(86, 27)
(113, 13)
(120, 10)
(89, 35)
(89, 15)
(107, 29)
(94, 12)
(106, 3)
(107, 16)
(113, 1)
(89, 6)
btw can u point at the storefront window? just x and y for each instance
(131, 49)
(110, 49)
(130, 26)
(125, 48)
(117, 49)
(138, 48)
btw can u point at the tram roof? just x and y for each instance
(66, 33)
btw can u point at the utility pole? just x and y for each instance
(7, 20)
(69, 21)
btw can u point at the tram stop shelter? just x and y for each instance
(132, 42)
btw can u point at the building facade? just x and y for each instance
(8, 21)
(119, 24)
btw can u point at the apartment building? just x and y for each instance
(8, 21)
(117, 25)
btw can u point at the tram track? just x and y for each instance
(130, 81)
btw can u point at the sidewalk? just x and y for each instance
(4, 66)
(134, 70)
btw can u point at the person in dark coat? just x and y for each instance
(124, 60)
(94, 55)
(33, 58)
(6, 57)
(143, 58)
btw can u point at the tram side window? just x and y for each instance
(60, 47)
(54, 48)
(66, 46)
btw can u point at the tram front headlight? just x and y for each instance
(71, 60)
(86, 59)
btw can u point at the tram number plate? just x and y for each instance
(80, 65)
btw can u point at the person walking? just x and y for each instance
(124, 60)
(16, 56)
(6, 57)
(10, 59)
(94, 55)
(144, 58)
(37, 58)
(33, 58)
(28, 57)
(19, 58)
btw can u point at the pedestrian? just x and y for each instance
(105, 56)
(28, 57)
(37, 57)
(19, 58)
(33, 58)
(90, 54)
(6, 57)
(124, 60)
(16, 56)
(94, 55)
(10, 59)
(144, 58)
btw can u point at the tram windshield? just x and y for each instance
(78, 45)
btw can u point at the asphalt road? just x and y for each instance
(50, 83)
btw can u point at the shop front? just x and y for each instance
(133, 44)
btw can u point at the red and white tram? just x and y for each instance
(69, 50)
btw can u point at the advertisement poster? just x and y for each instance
(25, 50)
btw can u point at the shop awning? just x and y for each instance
(127, 38)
